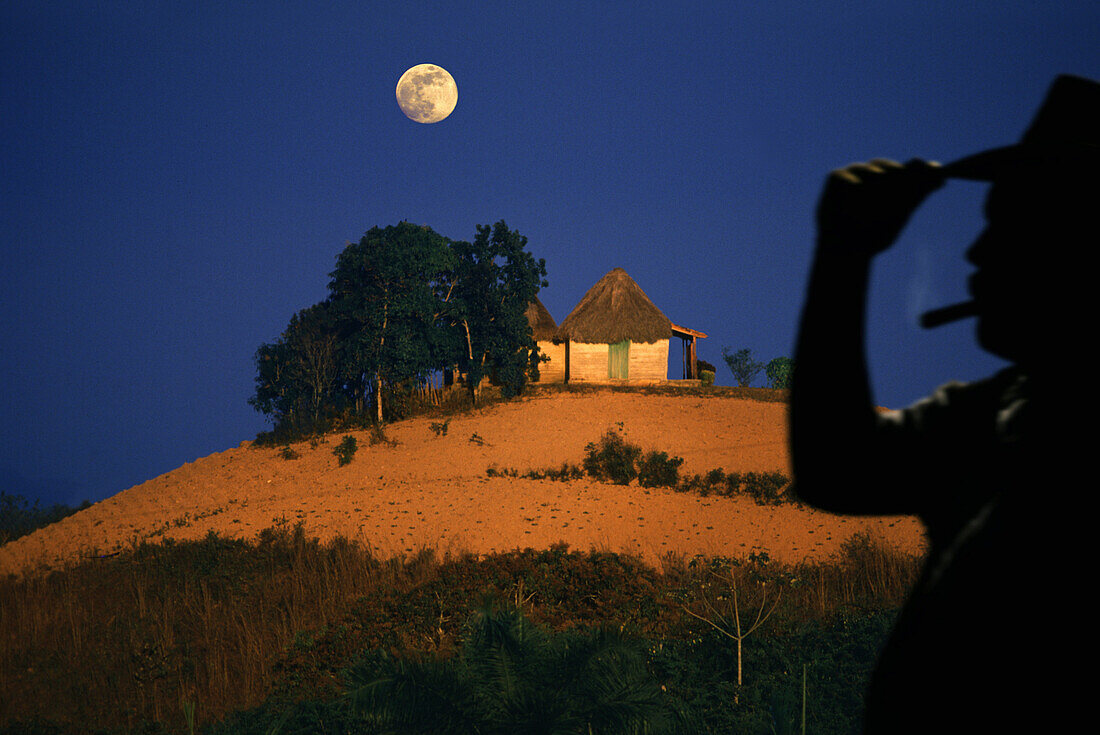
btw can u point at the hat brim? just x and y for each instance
(1023, 159)
(985, 166)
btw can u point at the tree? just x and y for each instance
(726, 618)
(296, 375)
(494, 280)
(779, 372)
(741, 364)
(386, 295)
(404, 302)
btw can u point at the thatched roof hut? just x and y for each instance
(613, 310)
(615, 333)
(544, 331)
(543, 326)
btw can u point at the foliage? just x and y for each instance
(386, 294)
(377, 434)
(404, 303)
(766, 488)
(744, 368)
(296, 375)
(779, 372)
(493, 281)
(612, 459)
(511, 676)
(345, 450)
(615, 460)
(706, 377)
(657, 469)
(18, 519)
(120, 663)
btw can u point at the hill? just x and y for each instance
(429, 489)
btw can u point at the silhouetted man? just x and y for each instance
(995, 469)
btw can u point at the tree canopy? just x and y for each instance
(404, 303)
(495, 278)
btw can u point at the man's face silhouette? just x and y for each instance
(1028, 283)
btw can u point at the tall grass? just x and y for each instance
(210, 627)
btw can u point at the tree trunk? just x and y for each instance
(378, 398)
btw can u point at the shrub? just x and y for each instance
(766, 488)
(378, 435)
(612, 459)
(779, 372)
(657, 469)
(741, 364)
(288, 453)
(706, 377)
(345, 450)
(563, 474)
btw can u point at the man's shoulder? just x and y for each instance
(954, 400)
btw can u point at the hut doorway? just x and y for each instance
(618, 360)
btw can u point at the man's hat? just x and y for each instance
(1064, 136)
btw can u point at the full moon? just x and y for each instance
(427, 93)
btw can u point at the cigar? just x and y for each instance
(947, 314)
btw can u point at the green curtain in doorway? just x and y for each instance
(618, 359)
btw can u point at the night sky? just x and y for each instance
(178, 179)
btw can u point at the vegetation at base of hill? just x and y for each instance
(404, 304)
(18, 518)
(614, 460)
(509, 675)
(238, 637)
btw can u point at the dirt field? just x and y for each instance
(432, 490)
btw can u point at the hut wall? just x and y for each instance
(648, 362)
(554, 370)
(587, 361)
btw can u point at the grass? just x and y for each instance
(227, 626)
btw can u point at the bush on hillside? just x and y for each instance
(612, 459)
(345, 450)
(657, 469)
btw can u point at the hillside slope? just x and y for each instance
(433, 491)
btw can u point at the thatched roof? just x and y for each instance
(613, 310)
(543, 326)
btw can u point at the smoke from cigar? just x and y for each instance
(948, 314)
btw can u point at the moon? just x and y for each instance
(427, 93)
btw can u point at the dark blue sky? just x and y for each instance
(178, 179)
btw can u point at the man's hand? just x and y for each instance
(865, 205)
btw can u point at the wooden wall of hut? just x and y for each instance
(648, 362)
(552, 371)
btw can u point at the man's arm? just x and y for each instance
(836, 457)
